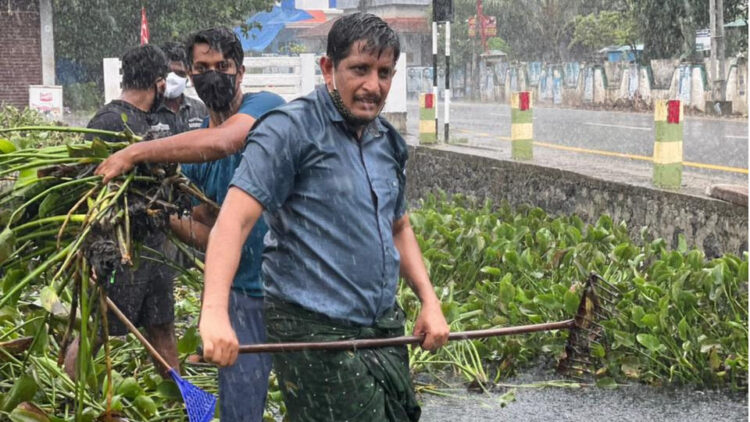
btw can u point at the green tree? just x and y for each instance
(598, 30)
(668, 27)
(497, 43)
(86, 31)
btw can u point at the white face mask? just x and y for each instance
(175, 85)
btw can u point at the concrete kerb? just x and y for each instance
(712, 225)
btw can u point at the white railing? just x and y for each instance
(288, 76)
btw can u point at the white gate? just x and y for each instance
(288, 76)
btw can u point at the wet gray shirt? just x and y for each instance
(330, 203)
(189, 116)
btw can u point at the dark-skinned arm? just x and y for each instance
(237, 216)
(194, 229)
(430, 322)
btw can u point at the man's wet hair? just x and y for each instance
(219, 39)
(349, 29)
(175, 52)
(142, 66)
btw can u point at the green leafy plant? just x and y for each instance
(681, 318)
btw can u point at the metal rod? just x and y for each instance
(608, 289)
(447, 79)
(400, 341)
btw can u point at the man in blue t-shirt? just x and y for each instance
(215, 60)
(242, 386)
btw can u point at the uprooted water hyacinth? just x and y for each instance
(682, 318)
(61, 227)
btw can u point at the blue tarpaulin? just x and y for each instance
(257, 39)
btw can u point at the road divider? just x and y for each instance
(604, 153)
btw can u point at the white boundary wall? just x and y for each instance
(288, 76)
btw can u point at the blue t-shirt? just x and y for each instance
(213, 179)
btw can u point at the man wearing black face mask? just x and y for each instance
(215, 56)
(143, 292)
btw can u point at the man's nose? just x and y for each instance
(371, 82)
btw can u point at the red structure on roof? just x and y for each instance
(318, 17)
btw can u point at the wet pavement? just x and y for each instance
(634, 402)
(617, 153)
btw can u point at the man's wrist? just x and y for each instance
(209, 306)
(133, 153)
(431, 301)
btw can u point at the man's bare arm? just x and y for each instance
(195, 146)
(195, 228)
(190, 231)
(430, 322)
(238, 215)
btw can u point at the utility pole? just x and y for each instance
(435, 66)
(48, 42)
(716, 10)
(482, 25)
(442, 11)
(447, 79)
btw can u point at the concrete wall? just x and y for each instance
(395, 105)
(20, 51)
(714, 226)
(611, 83)
(663, 72)
(737, 87)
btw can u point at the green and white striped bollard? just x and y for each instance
(521, 129)
(668, 129)
(427, 128)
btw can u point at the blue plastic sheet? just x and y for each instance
(267, 25)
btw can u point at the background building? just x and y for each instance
(27, 51)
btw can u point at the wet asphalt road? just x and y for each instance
(713, 141)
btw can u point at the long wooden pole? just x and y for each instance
(115, 310)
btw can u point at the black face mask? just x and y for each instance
(350, 118)
(158, 99)
(215, 89)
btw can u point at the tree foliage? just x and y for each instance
(86, 31)
(596, 31)
(497, 43)
(559, 30)
(667, 27)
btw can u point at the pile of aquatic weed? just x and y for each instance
(62, 228)
(680, 318)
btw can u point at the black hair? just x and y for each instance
(175, 52)
(142, 66)
(220, 39)
(348, 29)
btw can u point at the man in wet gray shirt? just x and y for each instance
(329, 173)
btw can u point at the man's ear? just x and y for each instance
(326, 67)
(161, 86)
(238, 79)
